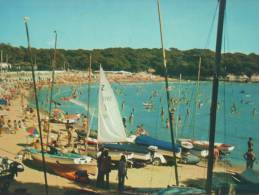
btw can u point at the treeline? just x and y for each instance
(136, 60)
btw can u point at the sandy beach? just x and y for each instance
(138, 178)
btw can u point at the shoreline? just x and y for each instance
(81, 77)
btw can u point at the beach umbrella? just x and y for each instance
(33, 131)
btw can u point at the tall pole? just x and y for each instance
(89, 90)
(167, 93)
(1, 59)
(52, 85)
(214, 98)
(37, 104)
(196, 96)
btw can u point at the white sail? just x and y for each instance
(110, 126)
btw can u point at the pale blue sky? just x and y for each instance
(90, 24)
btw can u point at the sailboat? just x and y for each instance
(110, 125)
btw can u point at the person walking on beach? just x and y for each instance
(250, 143)
(106, 168)
(122, 173)
(249, 156)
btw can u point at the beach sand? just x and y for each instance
(144, 178)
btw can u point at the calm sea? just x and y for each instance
(237, 116)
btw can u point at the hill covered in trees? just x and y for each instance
(136, 60)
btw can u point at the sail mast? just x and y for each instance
(196, 96)
(167, 93)
(37, 104)
(52, 84)
(89, 90)
(214, 98)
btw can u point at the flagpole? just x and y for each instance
(37, 104)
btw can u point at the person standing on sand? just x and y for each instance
(249, 156)
(2, 123)
(106, 168)
(9, 125)
(100, 176)
(15, 126)
(122, 173)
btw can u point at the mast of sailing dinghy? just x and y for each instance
(88, 100)
(52, 85)
(167, 93)
(196, 96)
(37, 104)
(214, 98)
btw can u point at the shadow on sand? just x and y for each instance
(20, 188)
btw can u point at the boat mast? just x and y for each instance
(167, 92)
(89, 90)
(37, 104)
(214, 98)
(52, 84)
(196, 96)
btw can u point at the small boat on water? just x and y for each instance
(148, 105)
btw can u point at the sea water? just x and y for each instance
(237, 114)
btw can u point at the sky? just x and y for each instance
(97, 24)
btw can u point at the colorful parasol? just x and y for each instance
(32, 131)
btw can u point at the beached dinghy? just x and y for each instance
(59, 116)
(77, 176)
(140, 153)
(68, 162)
(162, 145)
(204, 145)
(251, 176)
(180, 190)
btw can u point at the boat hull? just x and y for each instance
(66, 164)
